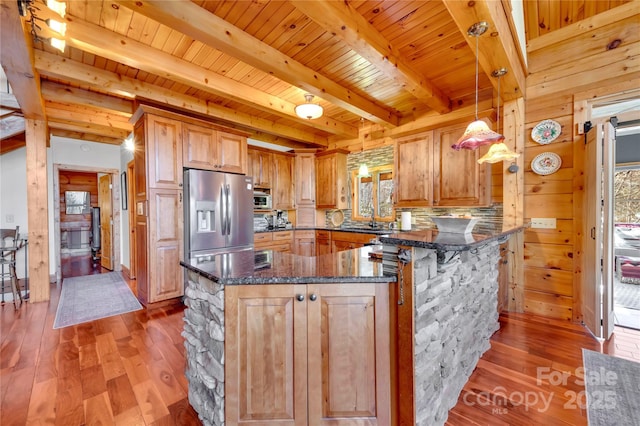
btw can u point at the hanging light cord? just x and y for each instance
(477, 36)
(499, 76)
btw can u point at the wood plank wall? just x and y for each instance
(564, 66)
(77, 181)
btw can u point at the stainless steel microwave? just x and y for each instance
(261, 200)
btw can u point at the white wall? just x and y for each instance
(13, 196)
(63, 151)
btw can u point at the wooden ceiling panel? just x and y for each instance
(174, 63)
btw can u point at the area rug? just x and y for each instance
(92, 297)
(613, 389)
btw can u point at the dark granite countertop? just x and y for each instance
(447, 241)
(271, 267)
(353, 229)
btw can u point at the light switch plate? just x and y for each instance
(543, 222)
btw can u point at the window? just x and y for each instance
(373, 193)
(627, 196)
(77, 202)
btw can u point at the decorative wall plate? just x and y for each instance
(337, 217)
(546, 131)
(546, 163)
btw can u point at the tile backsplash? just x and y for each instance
(384, 156)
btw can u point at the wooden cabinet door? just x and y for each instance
(305, 166)
(166, 279)
(305, 243)
(199, 147)
(164, 152)
(348, 354)
(458, 179)
(232, 151)
(331, 180)
(282, 191)
(266, 355)
(414, 170)
(260, 166)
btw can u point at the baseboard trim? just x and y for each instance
(125, 272)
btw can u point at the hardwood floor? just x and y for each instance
(123, 370)
(532, 373)
(129, 370)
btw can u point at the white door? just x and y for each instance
(597, 232)
(608, 160)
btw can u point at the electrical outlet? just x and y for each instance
(9, 218)
(543, 222)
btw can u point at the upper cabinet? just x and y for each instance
(429, 173)
(199, 149)
(282, 192)
(305, 182)
(458, 179)
(232, 152)
(163, 147)
(331, 179)
(209, 148)
(414, 170)
(260, 166)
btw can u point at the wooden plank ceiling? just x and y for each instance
(247, 64)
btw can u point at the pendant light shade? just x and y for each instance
(500, 151)
(309, 110)
(363, 171)
(477, 133)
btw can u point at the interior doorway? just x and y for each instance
(73, 237)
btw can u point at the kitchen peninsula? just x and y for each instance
(275, 336)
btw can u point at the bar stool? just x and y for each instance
(9, 245)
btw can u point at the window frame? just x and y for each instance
(375, 172)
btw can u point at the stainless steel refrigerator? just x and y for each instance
(218, 212)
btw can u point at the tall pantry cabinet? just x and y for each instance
(166, 142)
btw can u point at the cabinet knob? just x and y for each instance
(300, 297)
(313, 297)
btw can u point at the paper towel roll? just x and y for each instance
(406, 221)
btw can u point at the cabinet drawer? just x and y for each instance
(283, 236)
(352, 237)
(281, 246)
(305, 234)
(262, 237)
(324, 235)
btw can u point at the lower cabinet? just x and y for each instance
(307, 354)
(323, 242)
(305, 243)
(341, 241)
(277, 241)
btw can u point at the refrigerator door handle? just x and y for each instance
(228, 209)
(223, 215)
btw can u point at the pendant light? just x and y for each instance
(498, 151)
(309, 110)
(477, 133)
(363, 171)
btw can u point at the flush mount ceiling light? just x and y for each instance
(477, 133)
(499, 151)
(309, 110)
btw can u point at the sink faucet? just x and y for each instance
(373, 223)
